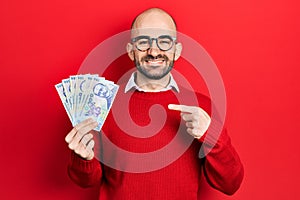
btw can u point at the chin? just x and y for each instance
(155, 76)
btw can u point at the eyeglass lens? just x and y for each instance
(143, 43)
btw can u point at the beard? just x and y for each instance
(162, 73)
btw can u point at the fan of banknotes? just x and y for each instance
(87, 96)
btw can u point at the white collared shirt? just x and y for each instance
(132, 85)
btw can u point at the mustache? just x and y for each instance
(150, 57)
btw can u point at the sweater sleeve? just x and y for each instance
(222, 166)
(85, 173)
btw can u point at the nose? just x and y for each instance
(154, 50)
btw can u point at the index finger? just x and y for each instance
(182, 108)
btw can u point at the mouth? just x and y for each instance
(155, 62)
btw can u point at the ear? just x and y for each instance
(178, 49)
(129, 49)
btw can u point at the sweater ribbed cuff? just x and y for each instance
(81, 164)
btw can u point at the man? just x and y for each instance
(154, 48)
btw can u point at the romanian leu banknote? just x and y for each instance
(87, 96)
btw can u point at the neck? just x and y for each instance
(151, 84)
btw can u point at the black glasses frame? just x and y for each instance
(150, 40)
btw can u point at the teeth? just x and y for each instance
(159, 61)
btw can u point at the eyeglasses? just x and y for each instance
(144, 43)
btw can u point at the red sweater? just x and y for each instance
(179, 179)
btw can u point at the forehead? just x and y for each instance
(152, 32)
(154, 25)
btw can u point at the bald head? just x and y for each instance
(154, 18)
(154, 60)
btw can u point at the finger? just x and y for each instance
(83, 148)
(191, 124)
(77, 140)
(90, 154)
(188, 117)
(71, 134)
(86, 139)
(80, 150)
(175, 107)
(90, 145)
(194, 133)
(89, 150)
(81, 133)
(182, 108)
(190, 131)
(85, 152)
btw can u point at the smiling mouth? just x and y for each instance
(155, 62)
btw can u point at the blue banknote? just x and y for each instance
(99, 100)
(87, 96)
(62, 94)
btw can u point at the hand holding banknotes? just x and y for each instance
(80, 139)
(87, 100)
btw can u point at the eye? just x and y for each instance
(143, 42)
(165, 41)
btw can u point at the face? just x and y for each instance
(151, 58)
(154, 50)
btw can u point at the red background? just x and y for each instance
(255, 45)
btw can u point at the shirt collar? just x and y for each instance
(132, 85)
